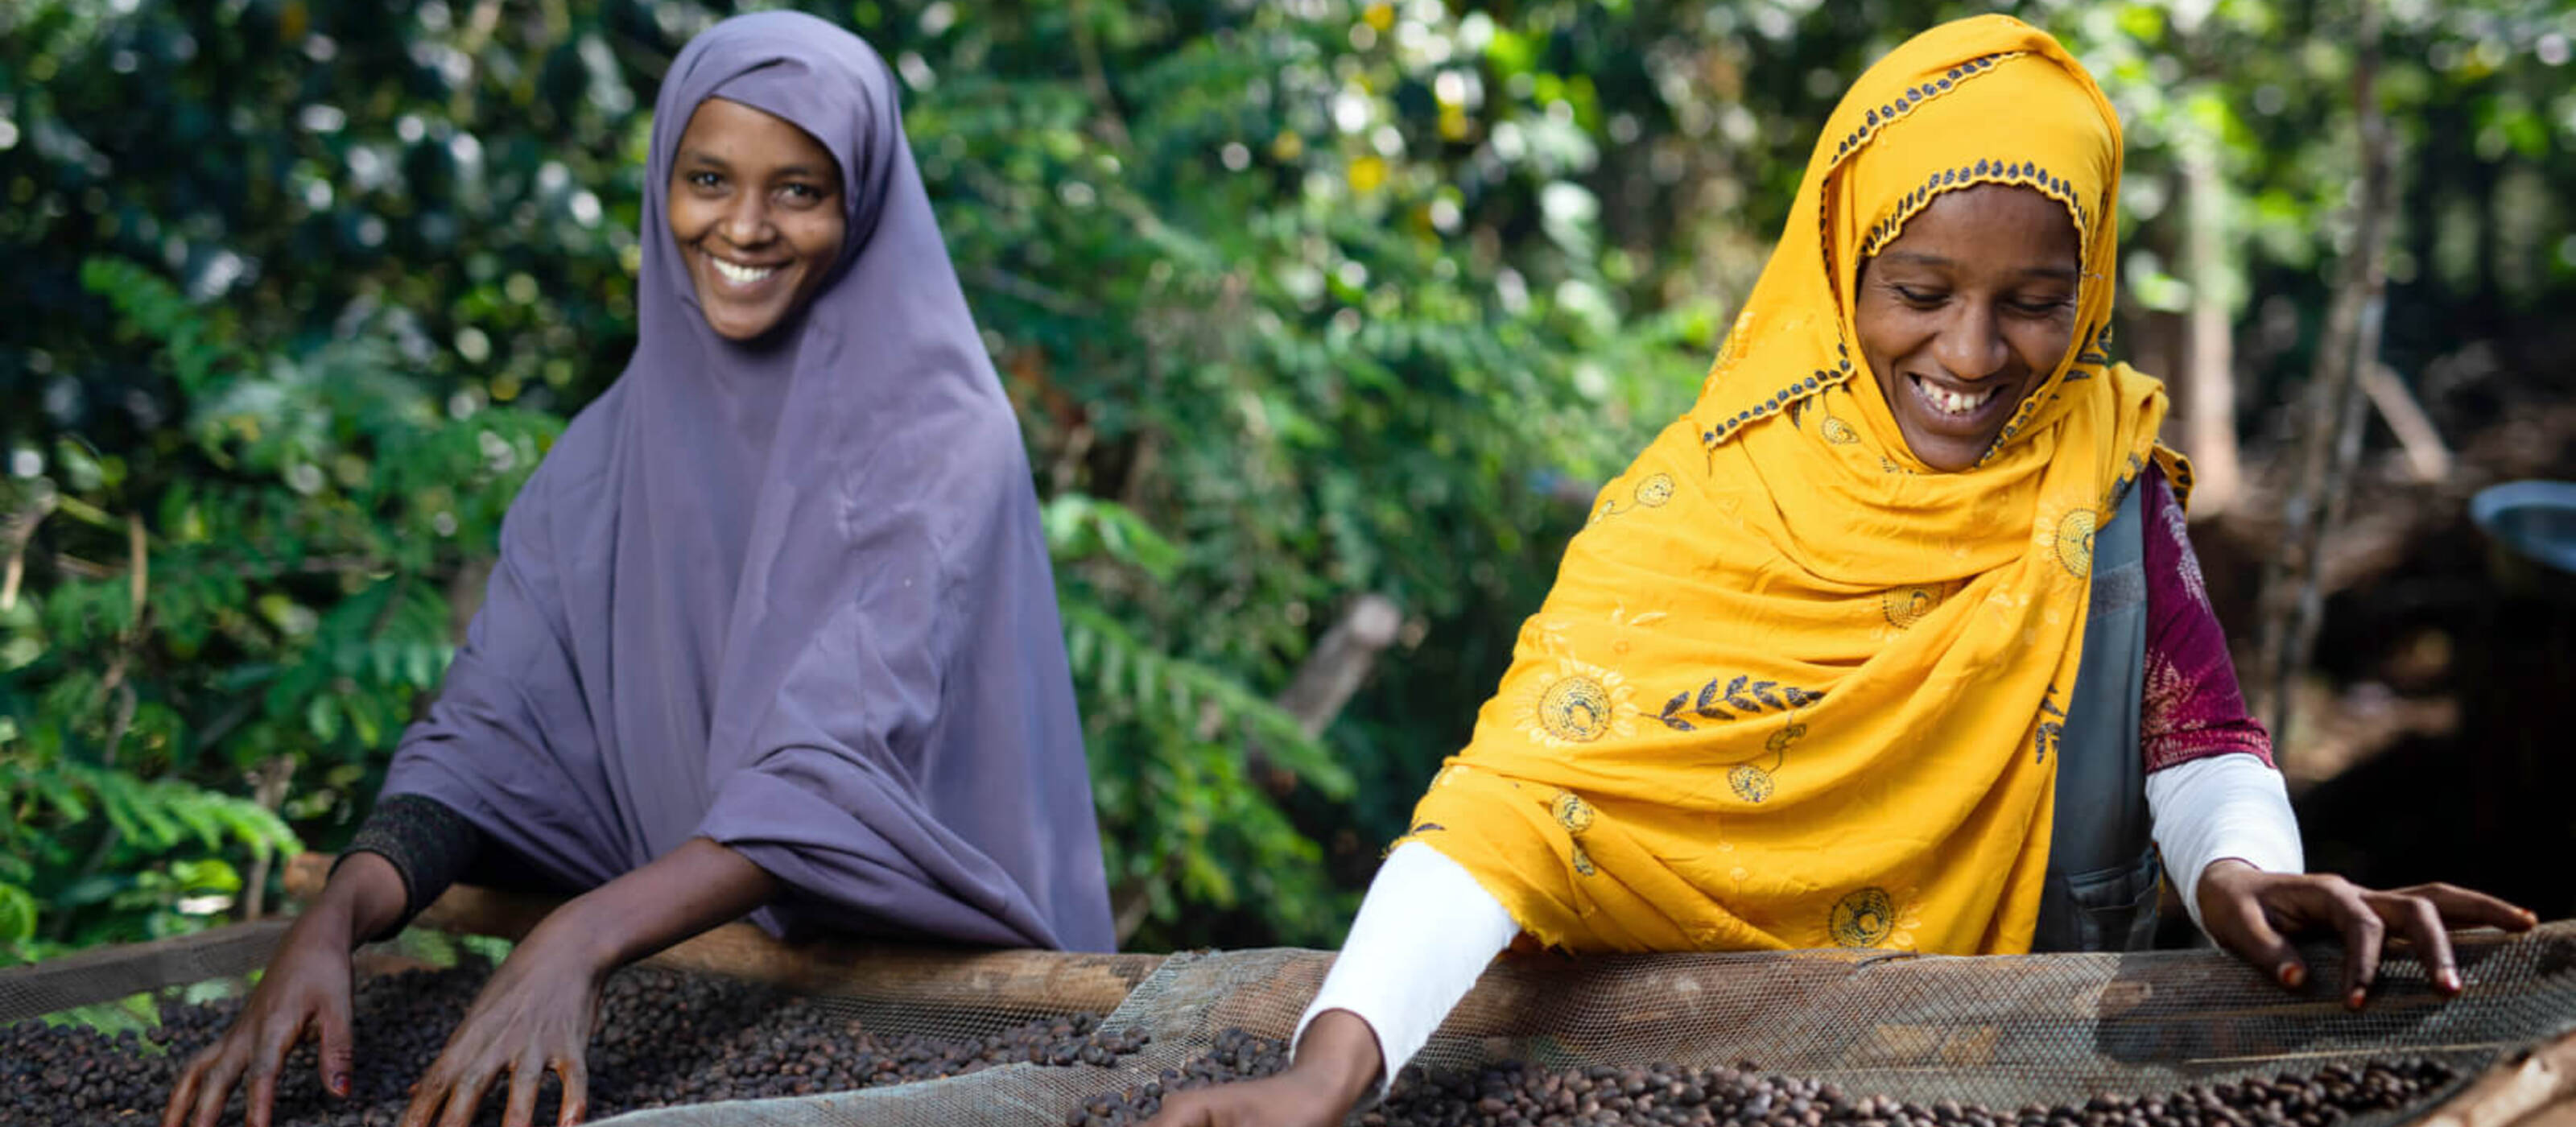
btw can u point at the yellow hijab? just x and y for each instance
(1793, 688)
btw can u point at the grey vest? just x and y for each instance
(2103, 871)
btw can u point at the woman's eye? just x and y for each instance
(2047, 308)
(704, 180)
(1911, 296)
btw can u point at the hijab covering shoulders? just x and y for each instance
(1792, 688)
(792, 595)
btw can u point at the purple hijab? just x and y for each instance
(790, 596)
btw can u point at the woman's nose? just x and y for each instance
(746, 223)
(1971, 345)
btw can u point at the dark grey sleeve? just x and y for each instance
(428, 844)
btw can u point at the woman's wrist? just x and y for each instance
(584, 936)
(1341, 1052)
(364, 896)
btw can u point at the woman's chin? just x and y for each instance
(740, 326)
(1943, 451)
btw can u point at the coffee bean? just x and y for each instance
(664, 1038)
(1516, 1093)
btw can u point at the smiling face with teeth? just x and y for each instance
(1965, 313)
(755, 205)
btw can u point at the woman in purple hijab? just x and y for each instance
(772, 631)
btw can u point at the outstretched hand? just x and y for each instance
(1336, 1062)
(304, 992)
(2256, 915)
(533, 1017)
(306, 989)
(536, 1014)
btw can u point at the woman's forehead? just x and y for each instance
(727, 131)
(1990, 226)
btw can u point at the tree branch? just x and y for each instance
(2293, 603)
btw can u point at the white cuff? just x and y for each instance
(1424, 932)
(2219, 808)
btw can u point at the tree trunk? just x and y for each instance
(2210, 397)
(268, 788)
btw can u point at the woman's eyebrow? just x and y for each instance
(701, 156)
(1915, 258)
(2067, 274)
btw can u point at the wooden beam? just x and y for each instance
(1049, 981)
(2516, 1090)
(2560, 1114)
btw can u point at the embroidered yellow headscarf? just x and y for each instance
(1792, 687)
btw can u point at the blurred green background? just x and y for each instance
(1301, 302)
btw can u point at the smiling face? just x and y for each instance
(1967, 311)
(756, 210)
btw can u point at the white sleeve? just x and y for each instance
(1424, 932)
(2218, 808)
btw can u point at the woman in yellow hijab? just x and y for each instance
(1809, 676)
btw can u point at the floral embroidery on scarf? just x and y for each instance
(2048, 735)
(1750, 781)
(1571, 812)
(2075, 542)
(1744, 694)
(1652, 493)
(1576, 703)
(1905, 606)
(1870, 917)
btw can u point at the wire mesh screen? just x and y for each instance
(1995, 1031)
(108, 974)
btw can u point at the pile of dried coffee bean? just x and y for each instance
(664, 1039)
(1521, 1095)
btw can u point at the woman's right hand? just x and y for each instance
(306, 988)
(1336, 1063)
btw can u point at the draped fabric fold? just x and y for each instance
(1793, 688)
(791, 595)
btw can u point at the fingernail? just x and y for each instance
(340, 1084)
(2451, 979)
(2359, 995)
(2293, 975)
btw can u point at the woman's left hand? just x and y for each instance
(2255, 914)
(534, 1016)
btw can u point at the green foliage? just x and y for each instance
(256, 593)
(1299, 302)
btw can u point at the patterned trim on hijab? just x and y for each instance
(1986, 171)
(1795, 392)
(1886, 115)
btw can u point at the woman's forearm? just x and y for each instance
(2231, 806)
(1425, 932)
(690, 889)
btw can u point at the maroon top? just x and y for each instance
(2193, 708)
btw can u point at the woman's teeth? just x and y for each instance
(741, 275)
(1953, 402)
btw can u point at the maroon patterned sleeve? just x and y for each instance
(2193, 708)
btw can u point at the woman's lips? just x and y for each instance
(741, 275)
(1953, 407)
